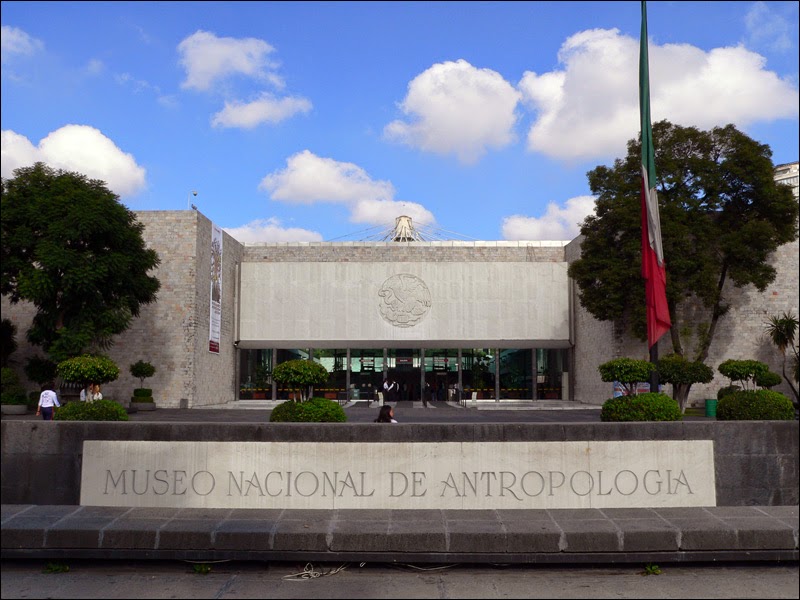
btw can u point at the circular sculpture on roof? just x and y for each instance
(404, 300)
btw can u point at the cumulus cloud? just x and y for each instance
(558, 222)
(77, 148)
(208, 59)
(456, 108)
(308, 179)
(271, 230)
(267, 109)
(590, 108)
(14, 41)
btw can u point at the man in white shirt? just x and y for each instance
(48, 400)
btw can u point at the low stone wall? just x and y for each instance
(756, 462)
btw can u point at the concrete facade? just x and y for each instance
(412, 295)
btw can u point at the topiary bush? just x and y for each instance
(755, 405)
(727, 391)
(627, 371)
(99, 410)
(650, 406)
(316, 410)
(299, 374)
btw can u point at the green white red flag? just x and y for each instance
(653, 268)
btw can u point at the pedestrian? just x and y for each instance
(386, 415)
(96, 395)
(48, 401)
(86, 393)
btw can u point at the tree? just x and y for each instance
(299, 374)
(627, 371)
(8, 341)
(722, 217)
(142, 370)
(782, 332)
(682, 374)
(77, 254)
(87, 369)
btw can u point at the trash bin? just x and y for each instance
(355, 393)
(711, 407)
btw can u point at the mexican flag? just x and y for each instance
(653, 267)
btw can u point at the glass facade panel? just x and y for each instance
(255, 374)
(516, 374)
(335, 361)
(477, 371)
(525, 373)
(366, 374)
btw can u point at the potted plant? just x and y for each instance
(142, 397)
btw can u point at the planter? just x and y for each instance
(137, 406)
(711, 407)
(14, 409)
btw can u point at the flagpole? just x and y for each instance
(653, 266)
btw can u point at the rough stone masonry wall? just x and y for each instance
(164, 331)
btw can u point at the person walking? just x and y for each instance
(48, 401)
(386, 415)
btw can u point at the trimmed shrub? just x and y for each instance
(316, 410)
(743, 371)
(727, 391)
(755, 405)
(142, 399)
(651, 406)
(143, 392)
(142, 370)
(298, 374)
(768, 380)
(628, 371)
(88, 368)
(99, 410)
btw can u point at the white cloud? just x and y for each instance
(208, 58)
(270, 230)
(77, 148)
(308, 179)
(14, 41)
(455, 108)
(558, 223)
(267, 109)
(95, 67)
(590, 108)
(766, 28)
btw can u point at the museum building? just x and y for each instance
(483, 321)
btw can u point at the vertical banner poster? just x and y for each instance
(216, 289)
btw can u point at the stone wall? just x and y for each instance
(755, 462)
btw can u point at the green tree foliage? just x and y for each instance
(651, 406)
(628, 371)
(316, 410)
(722, 217)
(40, 370)
(88, 369)
(782, 332)
(142, 370)
(682, 374)
(99, 410)
(755, 405)
(77, 254)
(744, 372)
(8, 341)
(299, 374)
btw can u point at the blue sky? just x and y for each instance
(317, 121)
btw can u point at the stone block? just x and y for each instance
(589, 535)
(647, 535)
(532, 536)
(302, 535)
(132, 533)
(369, 535)
(245, 534)
(417, 536)
(180, 534)
(475, 536)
